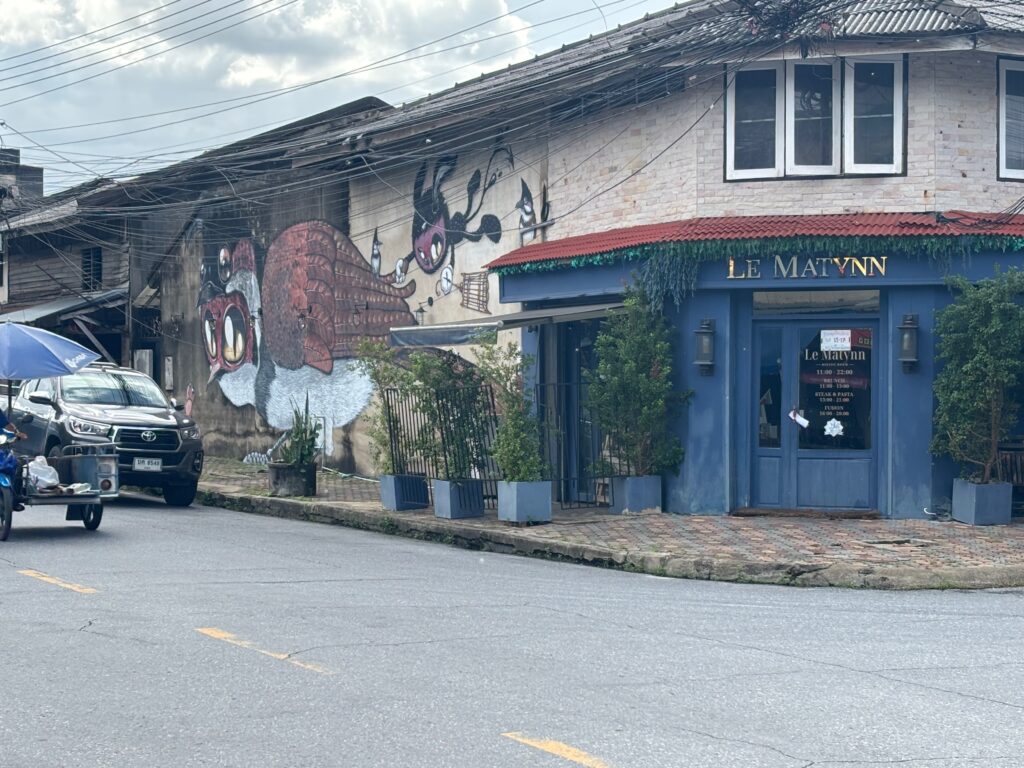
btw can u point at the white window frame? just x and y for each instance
(792, 169)
(1017, 66)
(731, 173)
(899, 117)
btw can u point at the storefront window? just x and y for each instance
(770, 388)
(835, 388)
(811, 302)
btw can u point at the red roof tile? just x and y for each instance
(947, 224)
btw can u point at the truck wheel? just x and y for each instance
(92, 514)
(6, 512)
(180, 495)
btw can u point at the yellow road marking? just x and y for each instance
(559, 749)
(58, 582)
(227, 637)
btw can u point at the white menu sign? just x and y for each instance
(835, 341)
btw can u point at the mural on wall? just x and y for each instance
(292, 329)
(530, 222)
(436, 230)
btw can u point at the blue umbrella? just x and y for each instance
(32, 353)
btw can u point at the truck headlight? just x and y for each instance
(190, 433)
(87, 428)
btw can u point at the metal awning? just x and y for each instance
(474, 331)
(66, 304)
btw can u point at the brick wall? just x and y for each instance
(951, 162)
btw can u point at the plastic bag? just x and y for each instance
(42, 475)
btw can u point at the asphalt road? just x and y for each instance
(205, 637)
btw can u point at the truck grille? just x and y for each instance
(164, 440)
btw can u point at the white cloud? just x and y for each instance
(304, 41)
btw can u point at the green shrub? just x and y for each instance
(378, 361)
(453, 401)
(516, 447)
(980, 339)
(630, 391)
(303, 443)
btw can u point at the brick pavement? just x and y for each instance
(807, 551)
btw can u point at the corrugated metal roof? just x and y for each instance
(951, 223)
(65, 304)
(695, 32)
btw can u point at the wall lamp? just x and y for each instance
(908, 342)
(704, 357)
(421, 313)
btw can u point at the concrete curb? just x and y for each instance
(370, 517)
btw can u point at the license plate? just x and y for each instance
(148, 465)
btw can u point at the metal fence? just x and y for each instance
(582, 461)
(445, 434)
(449, 434)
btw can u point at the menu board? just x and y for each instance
(835, 389)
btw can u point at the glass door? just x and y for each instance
(816, 405)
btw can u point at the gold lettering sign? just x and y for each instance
(795, 268)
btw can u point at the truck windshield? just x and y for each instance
(103, 388)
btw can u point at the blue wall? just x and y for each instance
(716, 429)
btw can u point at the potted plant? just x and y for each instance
(524, 496)
(981, 344)
(452, 402)
(295, 473)
(399, 490)
(631, 397)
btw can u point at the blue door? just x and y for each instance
(815, 415)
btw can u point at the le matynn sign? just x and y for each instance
(791, 267)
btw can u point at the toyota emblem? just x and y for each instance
(149, 435)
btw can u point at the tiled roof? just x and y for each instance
(947, 224)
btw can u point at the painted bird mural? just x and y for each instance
(271, 340)
(528, 213)
(436, 230)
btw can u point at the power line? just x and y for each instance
(90, 32)
(114, 36)
(145, 58)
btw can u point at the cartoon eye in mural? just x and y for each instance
(210, 336)
(236, 333)
(227, 333)
(224, 265)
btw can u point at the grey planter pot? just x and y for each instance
(457, 499)
(291, 479)
(402, 492)
(988, 504)
(636, 494)
(524, 502)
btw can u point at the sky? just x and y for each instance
(82, 81)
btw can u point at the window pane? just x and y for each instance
(812, 114)
(835, 388)
(769, 391)
(1015, 119)
(807, 302)
(754, 121)
(873, 113)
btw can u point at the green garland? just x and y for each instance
(671, 269)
